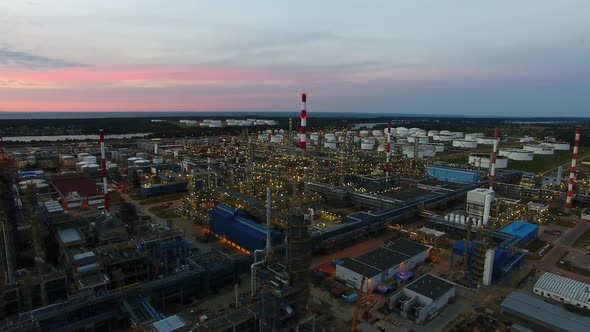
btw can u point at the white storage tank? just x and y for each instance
(131, 161)
(432, 133)
(68, 161)
(313, 137)
(330, 145)
(418, 139)
(559, 146)
(367, 144)
(158, 160)
(115, 155)
(141, 162)
(364, 133)
(424, 151)
(277, 139)
(263, 137)
(439, 147)
(445, 132)
(462, 143)
(484, 161)
(443, 137)
(474, 136)
(381, 148)
(82, 155)
(80, 166)
(93, 168)
(377, 133)
(90, 159)
(401, 131)
(486, 141)
(330, 138)
(141, 155)
(516, 154)
(527, 139)
(457, 134)
(539, 149)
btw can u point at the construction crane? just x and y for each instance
(357, 306)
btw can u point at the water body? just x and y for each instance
(367, 125)
(58, 138)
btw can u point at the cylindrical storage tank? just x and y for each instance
(141, 155)
(484, 161)
(68, 161)
(527, 139)
(486, 141)
(80, 166)
(158, 160)
(381, 148)
(330, 138)
(473, 136)
(457, 218)
(462, 219)
(364, 133)
(312, 136)
(114, 155)
(367, 144)
(433, 132)
(539, 149)
(560, 146)
(412, 131)
(377, 133)
(516, 154)
(402, 141)
(93, 168)
(452, 217)
(276, 139)
(421, 132)
(140, 162)
(131, 161)
(122, 156)
(82, 155)
(461, 143)
(443, 137)
(401, 131)
(438, 147)
(90, 159)
(424, 151)
(330, 145)
(457, 134)
(421, 139)
(263, 137)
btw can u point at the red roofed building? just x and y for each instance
(77, 190)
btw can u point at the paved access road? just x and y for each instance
(560, 246)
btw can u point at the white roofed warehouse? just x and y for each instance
(564, 290)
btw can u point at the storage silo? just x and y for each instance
(90, 159)
(80, 166)
(68, 161)
(82, 155)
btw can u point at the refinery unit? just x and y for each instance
(77, 255)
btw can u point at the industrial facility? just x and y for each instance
(241, 232)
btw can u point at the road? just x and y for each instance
(560, 246)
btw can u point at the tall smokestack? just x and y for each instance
(103, 165)
(388, 152)
(303, 130)
(570, 185)
(268, 218)
(494, 152)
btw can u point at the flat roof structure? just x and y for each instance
(169, 324)
(430, 286)
(69, 236)
(550, 316)
(359, 267)
(382, 258)
(84, 185)
(566, 287)
(407, 247)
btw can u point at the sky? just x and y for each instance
(517, 58)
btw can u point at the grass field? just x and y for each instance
(583, 242)
(163, 211)
(162, 199)
(542, 163)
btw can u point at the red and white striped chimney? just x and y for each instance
(388, 151)
(494, 153)
(303, 117)
(570, 184)
(103, 165)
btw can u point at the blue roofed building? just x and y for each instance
(523, 230)
(453, 175)
(234, 227)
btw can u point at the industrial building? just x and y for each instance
(381, 264)
(77, 191)
(526, 232)
(423, 298)
(233, 227)
(453, 175)
(539, 315)
(563, 289)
